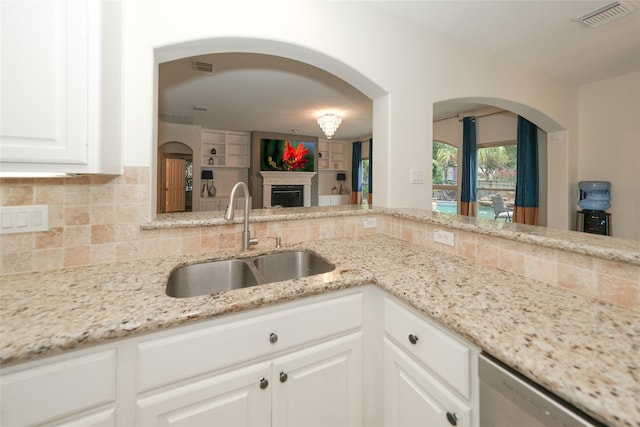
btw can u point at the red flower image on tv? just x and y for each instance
(292, 158)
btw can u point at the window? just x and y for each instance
(496, 175)
(445, 178)
(364, 169)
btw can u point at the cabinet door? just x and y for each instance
(235, 398)
(45, 81)
(414, 397)
(320, 385)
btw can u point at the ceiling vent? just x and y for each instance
(201, 108)
(606, 14)
(176, 118)
(203, 67)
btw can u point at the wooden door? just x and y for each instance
(174, 185)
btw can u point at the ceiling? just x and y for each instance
(273, 94)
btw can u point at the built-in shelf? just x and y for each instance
(222, 148)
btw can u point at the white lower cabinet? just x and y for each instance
(320, 385)
(234, 398)
(333, 359)
(73, 391)
(413, 397)
(430, 375)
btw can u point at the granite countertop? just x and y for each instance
(604, 247)
(583, 350)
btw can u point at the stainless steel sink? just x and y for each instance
(218, 276)
(291, 265)
(210, 278)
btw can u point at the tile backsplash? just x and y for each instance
(96, 220)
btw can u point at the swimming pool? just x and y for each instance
(445, 206)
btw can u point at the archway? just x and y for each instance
(553, 150)
(276, 48)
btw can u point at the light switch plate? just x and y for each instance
(24, 219)
(416, 176)
(370, 223)
(444, 237)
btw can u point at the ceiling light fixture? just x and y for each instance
(329, 124)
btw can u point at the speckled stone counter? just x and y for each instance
(581, 349)
(603, 247)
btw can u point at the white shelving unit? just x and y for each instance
(231, 149)
(332, 155)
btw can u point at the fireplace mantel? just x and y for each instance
(285, 178)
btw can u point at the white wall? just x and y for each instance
(404, 69)
(609, 147)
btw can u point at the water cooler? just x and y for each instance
(595, 199)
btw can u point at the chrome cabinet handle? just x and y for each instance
(413, 338)
(273, 338)
(452, 418)
(283, 377)
(264, 383)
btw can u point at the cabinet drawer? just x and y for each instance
(226, 342)
(444, 355)
(59, 389)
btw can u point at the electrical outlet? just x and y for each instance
(444, 237)
(24, 219)
(369, 223)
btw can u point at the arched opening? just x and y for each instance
(285, 50)
(496, 126)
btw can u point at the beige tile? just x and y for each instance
(618, 291)
(48, 259)
(618, 269)
(76, 195)
(74, 236)
(541, 269)
(580, 279)
(77, 215)
(18, 242)
(488, 255)
(16, 195)
(49, 195)
(49, 239)
(126, 194)
(511, 261)
(103, 214)
(101, 234)
(130, 213)
(77, 255)
(17, 262)
(576, 260)
(102, 194)
(103, 254)
(56, 216)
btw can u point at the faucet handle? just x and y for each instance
(278, 240)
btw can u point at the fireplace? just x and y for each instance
(285, 179)
(287, 196)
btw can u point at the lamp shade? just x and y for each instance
(206, 174)
(341, 177)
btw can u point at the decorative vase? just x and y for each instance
(212, 189)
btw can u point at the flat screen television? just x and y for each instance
(287, 155)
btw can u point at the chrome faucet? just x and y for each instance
(228, 214)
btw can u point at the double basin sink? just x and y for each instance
(218, 276)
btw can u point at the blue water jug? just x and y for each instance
(595, 195)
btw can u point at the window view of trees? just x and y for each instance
(445, 177)
(365, 180)
(497, 173)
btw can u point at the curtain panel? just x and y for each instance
(356, 173)
(469, 167)
(526, 208)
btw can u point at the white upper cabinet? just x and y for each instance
(61, 86)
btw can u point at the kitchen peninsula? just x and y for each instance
(581, 348)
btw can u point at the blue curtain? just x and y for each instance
(370, 195)
(526, 204)
(469, 167)
(356, 173)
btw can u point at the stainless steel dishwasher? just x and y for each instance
(508, 399)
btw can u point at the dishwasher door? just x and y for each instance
(508, 399)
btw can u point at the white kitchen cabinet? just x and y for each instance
(234, 398)
(414, 397)
(61, 87)
(320, 385)
(430, 375)
(332, 155)
(222, 148)
(78, 390)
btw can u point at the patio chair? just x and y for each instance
(500, 210)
